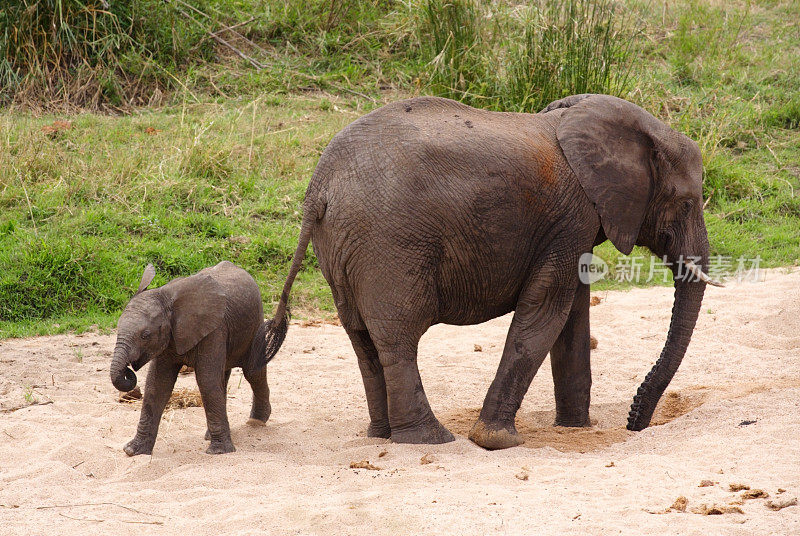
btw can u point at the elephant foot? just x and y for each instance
(255, 422)
(431, 432)
(380, 429)
(494, 437)
(220, 447)
(138, 446)
(573, 421)
(261, 414)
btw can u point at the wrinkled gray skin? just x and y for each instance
(211, 321)
(428, 211)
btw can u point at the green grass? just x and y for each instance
(222, 176)
(83, 211)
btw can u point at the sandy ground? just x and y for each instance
(62, 470)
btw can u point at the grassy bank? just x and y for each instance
(85, 208)
(218, 171)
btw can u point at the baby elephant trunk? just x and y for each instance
(123, 378)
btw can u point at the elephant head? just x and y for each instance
(183, 311)
(645, 182)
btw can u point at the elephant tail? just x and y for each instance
(266, 343)
(272, 332)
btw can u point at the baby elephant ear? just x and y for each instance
(610, 144)
(147, 278)
(198, 308)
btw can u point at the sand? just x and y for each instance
(732, 416)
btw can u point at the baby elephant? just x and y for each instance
(211, 321)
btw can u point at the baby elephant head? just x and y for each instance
(183, 311)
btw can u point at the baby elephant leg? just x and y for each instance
(261, 409)
(227, 377)
(161, 378)
(211, 375)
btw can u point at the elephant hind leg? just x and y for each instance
(569, 360)
(410, 417)
(374, 382)
(368, 362)
(261, 409)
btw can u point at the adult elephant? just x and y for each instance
(427, 211)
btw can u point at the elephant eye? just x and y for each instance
(146, 334)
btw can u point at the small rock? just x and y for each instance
(781, 490)
(522, 475)
(383, 453)
(477, 348)
(426, 459)
(610, 464)
(716, 510)
(592, 342)
(595, 300)
(781, 504)
(364, 464)
(705, 483)
(680, 504)
(755, 494)
(738, 487)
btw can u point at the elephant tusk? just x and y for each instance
(699, 274)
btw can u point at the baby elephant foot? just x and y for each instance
(430, 432)
(138, 446)
(493, 437)
(261, 414)
(379, 429)
(220, 447)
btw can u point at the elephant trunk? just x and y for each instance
(123, 378)
(685, 310)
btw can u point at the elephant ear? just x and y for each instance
(610, 144)
(147, 278)
(198, 308)
(566, 102)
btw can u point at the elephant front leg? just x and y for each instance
(211, 379)
(161, 378)
(569, 359)
(374, 383)
(539, 318)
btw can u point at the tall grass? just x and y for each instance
(568, 47)
(455, 40)
(520, 58)
(90, 53)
